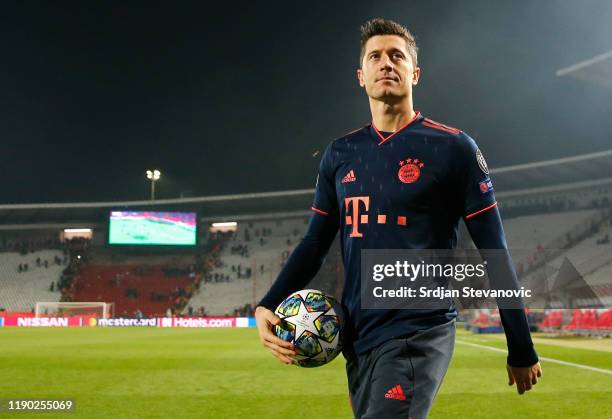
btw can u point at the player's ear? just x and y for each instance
(360, 77)
(415, 76)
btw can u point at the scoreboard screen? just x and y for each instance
(152, 228)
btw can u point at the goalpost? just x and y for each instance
(65, 309)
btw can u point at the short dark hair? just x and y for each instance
(380, 26)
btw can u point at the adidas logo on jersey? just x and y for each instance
(350, 177)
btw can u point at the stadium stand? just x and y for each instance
(578, 322)
(529, 231)
(553, 320)
(248, 263)
(133, 289)
(582, 255)
(26, 279)
(555, 210)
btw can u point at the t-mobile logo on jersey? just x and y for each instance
(353, 206)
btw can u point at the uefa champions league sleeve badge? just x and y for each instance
(482, 163)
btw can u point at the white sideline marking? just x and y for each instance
(555, 361)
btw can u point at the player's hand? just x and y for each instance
(266, 320)
(525, 378)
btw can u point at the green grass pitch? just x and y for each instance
(226, 373)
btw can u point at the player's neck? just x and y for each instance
(390, 117)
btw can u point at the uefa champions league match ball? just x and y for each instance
(312, 321)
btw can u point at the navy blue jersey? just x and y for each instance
(402, 190)
(406, 190)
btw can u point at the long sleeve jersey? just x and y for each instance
(402, 190)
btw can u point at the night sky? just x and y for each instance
(239, 96)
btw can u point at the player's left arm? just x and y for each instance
(478, 207)
(523, 367)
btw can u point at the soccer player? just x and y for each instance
(402, 182)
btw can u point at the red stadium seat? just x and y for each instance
(96, 283)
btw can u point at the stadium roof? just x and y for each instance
(582, 171)
(564, 171)
(214, 208)
(597, 70)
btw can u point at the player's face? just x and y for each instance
(387, 72)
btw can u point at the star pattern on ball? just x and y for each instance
(303, 320)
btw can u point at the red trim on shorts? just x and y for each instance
(493, 205)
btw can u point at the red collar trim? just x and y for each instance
(383, 138)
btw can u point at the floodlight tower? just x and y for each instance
(153, 176)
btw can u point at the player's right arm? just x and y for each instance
(305, 260)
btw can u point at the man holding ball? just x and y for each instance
(402, 182)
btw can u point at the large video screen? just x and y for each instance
(152, 228)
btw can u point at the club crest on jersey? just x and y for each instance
(482, 162)
(410, 170)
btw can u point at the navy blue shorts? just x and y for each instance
(401, 377)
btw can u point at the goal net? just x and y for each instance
(64, 309)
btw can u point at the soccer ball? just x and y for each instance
(312, 321)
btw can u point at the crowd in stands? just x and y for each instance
(25, 247)
(179, 297)
(240, 272)
(248, 310)
(209, 267)
(240, 249)
(24, 267)
(250, 234)
(72, 250)
(199, 312)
